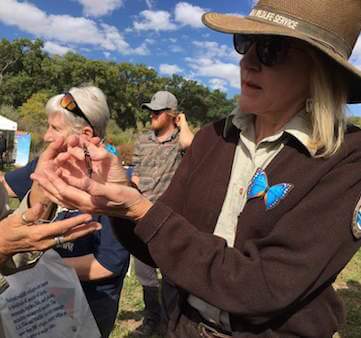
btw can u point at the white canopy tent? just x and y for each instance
(6, 124)
(9, 128)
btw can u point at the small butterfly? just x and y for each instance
(88, 161)
(272, 195)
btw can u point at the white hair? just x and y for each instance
(92, 102)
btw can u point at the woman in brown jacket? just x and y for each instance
(263, 212)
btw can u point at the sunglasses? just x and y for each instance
(271, 50)
(68, 102)
(158, 112)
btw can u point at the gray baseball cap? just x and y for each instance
(162, 100)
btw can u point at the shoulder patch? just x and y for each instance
(356, 221)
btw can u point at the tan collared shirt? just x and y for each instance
(248, 157)
(156, 162)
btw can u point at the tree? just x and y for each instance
(32, 116)
(136, 84)
(20, 70)
(28, 76)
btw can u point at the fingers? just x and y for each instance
(64, 226)
(63, 194)
(73, 141)
(83, 183)
(95, 140)
(33, 214)
(48, 183)
(45, 236)
(81, 231)
(53, 149)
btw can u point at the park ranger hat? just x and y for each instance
(332, 26)
(162, 100)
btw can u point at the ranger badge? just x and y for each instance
(356, 221)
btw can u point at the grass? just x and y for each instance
(131, 307)
(348, 286)
(349, 289)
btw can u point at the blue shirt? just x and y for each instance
(102, 244)
(19, 179)
(112, 149)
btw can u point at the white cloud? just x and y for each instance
(211, 49)
(187, 14)
(218, 84)
(141, 50)
(150, 41)
(211, 68)
(63, 29)
(99, 7)
(176, 49)
(54, 48)
(169, 69)
(154, 20)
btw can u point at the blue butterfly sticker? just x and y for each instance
(272, 195)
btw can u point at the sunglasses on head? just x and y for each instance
(271, 50)
(68, 102)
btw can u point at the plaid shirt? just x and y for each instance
(155, 163)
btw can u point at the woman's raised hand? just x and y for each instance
(22, 232)
(90, 179)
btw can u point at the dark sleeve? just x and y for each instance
(306, 249)
(19, 179)
(108, 250)
(124, 231)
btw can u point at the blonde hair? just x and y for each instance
(327, 105)
(92, 102)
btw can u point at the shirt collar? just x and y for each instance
(153, 137)
(299, 127)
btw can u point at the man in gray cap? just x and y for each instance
(157, 154)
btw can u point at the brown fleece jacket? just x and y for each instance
(276, 281)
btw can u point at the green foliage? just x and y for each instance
(355, 120)
(20, 70)
(32, 115)
(28, 76)
(9, 112)
(118, 135)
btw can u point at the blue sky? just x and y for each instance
(163, 34)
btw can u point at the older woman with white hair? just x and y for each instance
(264, 210)
(100, 261)
(84, 109)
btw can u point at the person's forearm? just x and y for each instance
(185, 137)
(88, 268)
